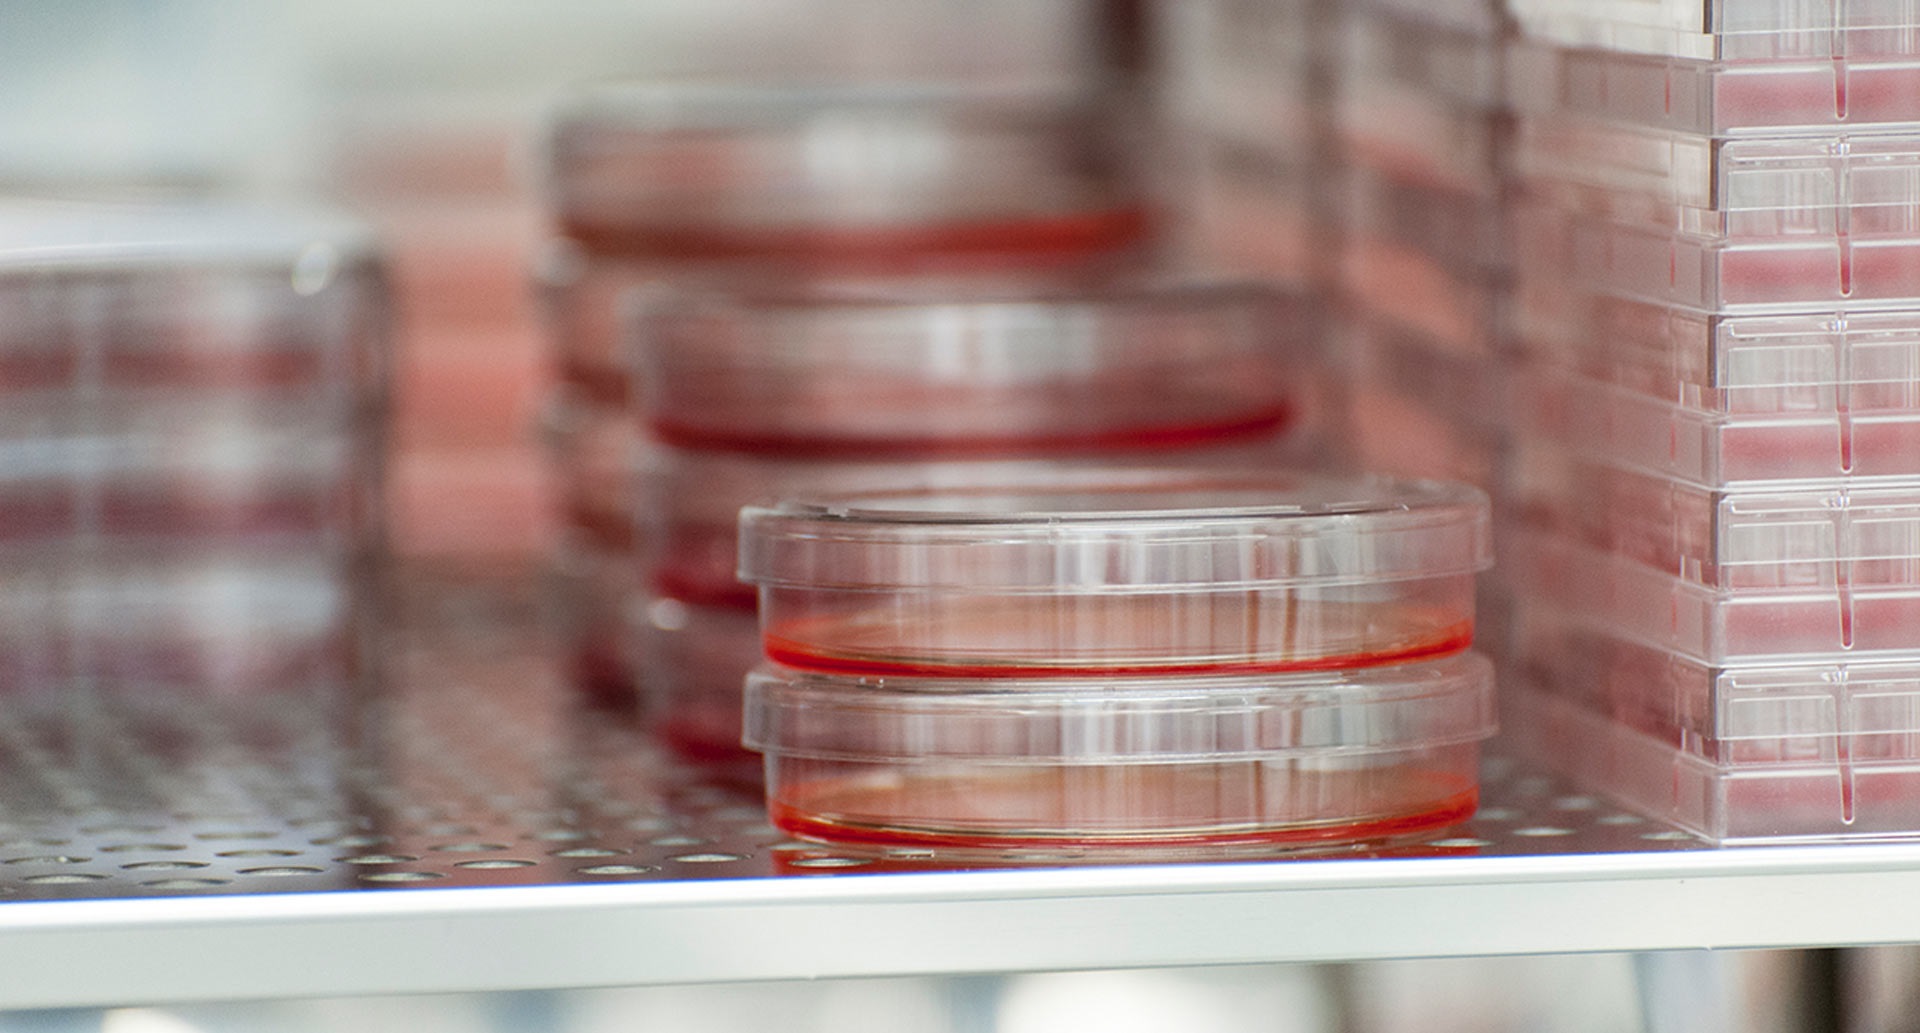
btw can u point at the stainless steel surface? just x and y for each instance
(473, 830)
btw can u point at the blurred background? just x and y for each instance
(421, 116)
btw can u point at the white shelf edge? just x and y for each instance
(109, 952)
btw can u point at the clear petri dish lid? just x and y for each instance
(986, 369)
(1119, 720)
(635, 166)
(47, 235)
(1143, 531)
(178, 293)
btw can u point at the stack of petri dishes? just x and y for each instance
(1118, 661)
(1717, 239)
(654, 185)
(752, 394)
(191, 440)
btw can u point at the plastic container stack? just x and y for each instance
(1424, 266)
(433, 171)
(666, 185)
(1717, 245)
(755, 394)
(192, 437)
(1247, 85)
(1078, 663)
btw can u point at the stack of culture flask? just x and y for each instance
(1717, 238)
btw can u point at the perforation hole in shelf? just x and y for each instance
(474, 767)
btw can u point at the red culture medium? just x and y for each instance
(1207, 762)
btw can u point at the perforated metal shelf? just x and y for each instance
(472, 829)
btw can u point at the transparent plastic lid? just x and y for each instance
(1818, 361)
(1727, 28)
(1858, 536)
(1828, 183)
(43, 236)
(686, 167)
(1768, 260)
(935, 369)
(1734, 714)
(1823, 436)
(1785, 82)
(1120, 720)
(1805, 621)
(1118, 531)
(187, 294)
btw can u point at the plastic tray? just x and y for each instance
(1874, 616)
(1713, 448)
(923, 372)
(1743, 29)
(1858, 185)
(1843, 364)
(1736, 97)
(1818, 269)
(1842, 536)
(1120, 571)
(1797, 800)
(1201, 764)
(1751, 716)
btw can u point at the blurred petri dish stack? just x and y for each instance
(195, 393)
(756, 393)
(663, 185)
(1109, 662)
(1717, 235)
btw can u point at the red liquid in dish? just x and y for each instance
(1016, 242)
(1120, 635)
(1036, 807)
(897, 447)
